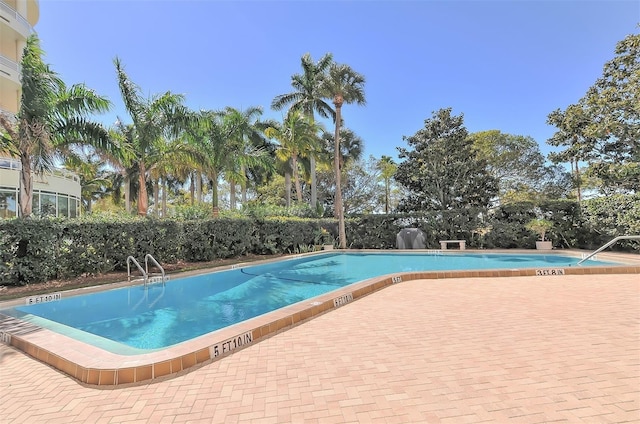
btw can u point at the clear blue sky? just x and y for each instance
(503, 64)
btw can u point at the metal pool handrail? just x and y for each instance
(132, 259)
(607, 245)
(146, 265)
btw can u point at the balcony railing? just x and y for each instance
(10, 14)
(14, 164)
(10, 69)
(9, 163)
(5, 61)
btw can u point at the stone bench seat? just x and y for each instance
(445, 243)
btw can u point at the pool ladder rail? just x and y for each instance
(594, 253)
(146, 276)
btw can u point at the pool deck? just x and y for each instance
(517, 348)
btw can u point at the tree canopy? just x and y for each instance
(441, 169)
(519, 167)
(603, 128)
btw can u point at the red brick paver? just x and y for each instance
(524, 350)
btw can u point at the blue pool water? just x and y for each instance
(138, 319)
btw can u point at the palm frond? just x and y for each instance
(130, 92)
(80, 100)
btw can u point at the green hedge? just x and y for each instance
(35, 250)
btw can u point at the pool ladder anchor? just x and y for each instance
(146, 276)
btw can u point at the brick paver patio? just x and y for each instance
(522, 350)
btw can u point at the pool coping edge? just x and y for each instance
(96, 367)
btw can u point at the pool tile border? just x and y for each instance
(96, 367)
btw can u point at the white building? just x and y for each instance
(57, 193)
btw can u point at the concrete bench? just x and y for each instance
(444, 243)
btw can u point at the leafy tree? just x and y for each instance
(514, 160)
(343, 85)
(272, 192)
(603, 128)
(442, 170)
(52, 118)
(519, 167)
(361, 186)
(308, 98)
(612, 103)
(573, 132)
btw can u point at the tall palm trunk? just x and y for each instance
(214, 193)
(312, 169)
(199, 187)
(287, 189)
(387, 194)
(193, 188)
(577, 177)
(243, 185)
(143, 199)
(165, 188)
(156, 196)
(127, 192)
(296, 177)
(232, 195)
(339, 212)
(26, 186)
(314, 190)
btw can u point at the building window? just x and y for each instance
(8, 203)
(63, 206)
(35, 203)
(55, 204)
(47, 204)
(73, 208)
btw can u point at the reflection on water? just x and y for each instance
(160, 315)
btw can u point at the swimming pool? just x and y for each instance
(139, 319)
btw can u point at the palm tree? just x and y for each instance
(246, 135)
(154, 121)
(122, 161)
(95, 179)
(308, 98)
(351, 146)
(351, 149)
(174, 159)
(387, 168)
(297, 136)
(213, 138)
(52, 118)
(342, 85)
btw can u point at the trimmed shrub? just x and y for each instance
(35, 250)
